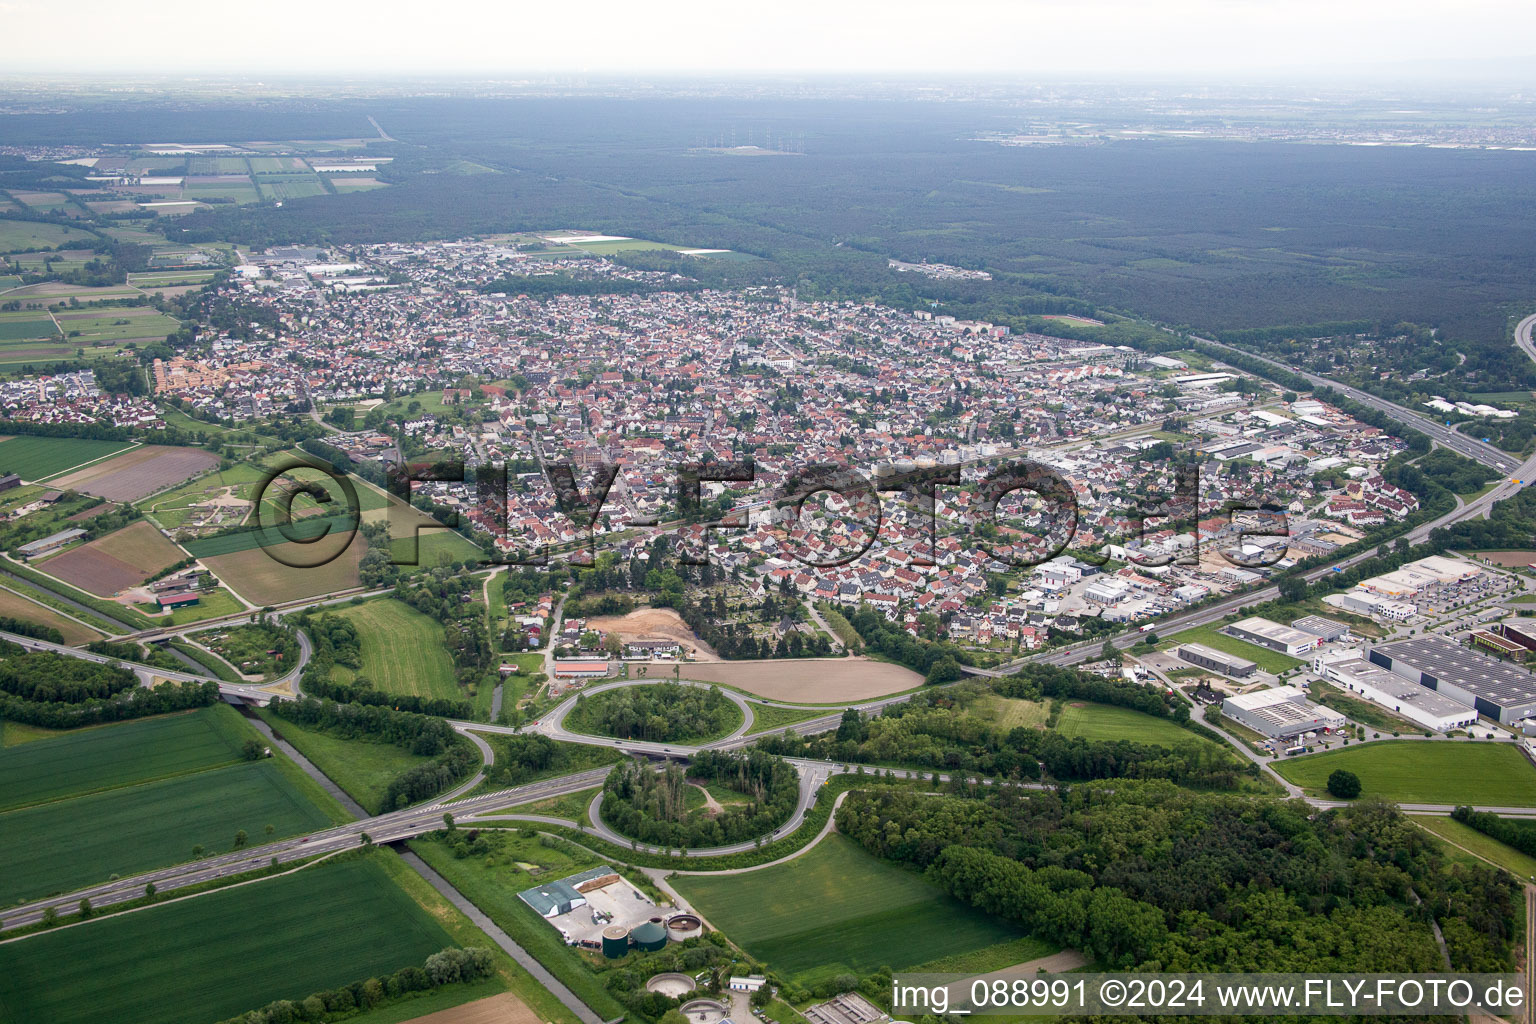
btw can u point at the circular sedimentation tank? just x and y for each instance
(684, 926)
(671, 984)
(650, 936)
(615, 941)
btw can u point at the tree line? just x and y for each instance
(450, 966)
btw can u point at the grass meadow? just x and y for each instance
(1424, 771)
(402, 650)
(836, 909)
(35, 458)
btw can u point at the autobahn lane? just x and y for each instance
(384, 828)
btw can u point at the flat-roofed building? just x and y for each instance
(1493, 688)
(1521, 631)
(1261, 631)
(1414, 702)
(1217, 661)
(1498, 646)
(1280, 712)
(1326, 630)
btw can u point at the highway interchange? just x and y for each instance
(404, 824)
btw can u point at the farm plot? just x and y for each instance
(111, 564)
(66, 844)
(294, 187)
(21, 235)
(25, 326)
(136, 474)
(218, 499)
(262, 579)
(349, 920)
(837, 909)
(123, 324)
(14, 605)
(37, 458)
(402, 650)
(1448, 772)
(92, 760)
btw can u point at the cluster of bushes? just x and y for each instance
(47, 678)
(938, 662)
(451, 966)
(653, 807)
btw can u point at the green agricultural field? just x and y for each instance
(37, 458)
(837, 909)
(122, 324)
(284, 938)
(436, 546)
(1268, 660)
(769, 716)
(21, 235)
(121, 755)
(1106, 722)
(67, 844)
(363, 769)
(25, 326)
(1427, 771)
(403, 650)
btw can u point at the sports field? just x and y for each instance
(836, 909)
(123, 754)
(403, 650)
(1107, 722)
(280, 939)
(35, 458)
(1424, 771)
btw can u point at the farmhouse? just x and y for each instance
(1280, 712)
(580, 668)
(177, 599)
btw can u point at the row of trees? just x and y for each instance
(139, 703)
(1519, 834)
(449, 966)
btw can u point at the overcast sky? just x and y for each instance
(1083, 38)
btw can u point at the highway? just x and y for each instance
(414, 821)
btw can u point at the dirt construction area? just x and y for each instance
(115, 562)
(139, 473)
(655, 624)
(1508, 559)
(503, 1009)
(809, 680)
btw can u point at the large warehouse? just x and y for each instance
(1496, 689)
(1216, 661)
(1280, 712)
(1276, 637)
(1414, 702)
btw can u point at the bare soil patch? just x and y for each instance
(503, 1009)
(139, 473)
(655, 624)
(1508, 559)
(809, 680)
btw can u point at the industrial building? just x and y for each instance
(1498, 646)
(1217, 661)
(1263, 632)
(1521, 631)
(563, 896)
(1280, 712)
(1493, 688)
(1326, 630)
(1416, 703)
(48, 544)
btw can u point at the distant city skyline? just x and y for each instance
(1093, 39)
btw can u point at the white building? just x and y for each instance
(1418, 704)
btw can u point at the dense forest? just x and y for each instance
(1146, 875)
(661, 713)
(654, 807)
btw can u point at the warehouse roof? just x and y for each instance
(1478, 674)
(1273, 631)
